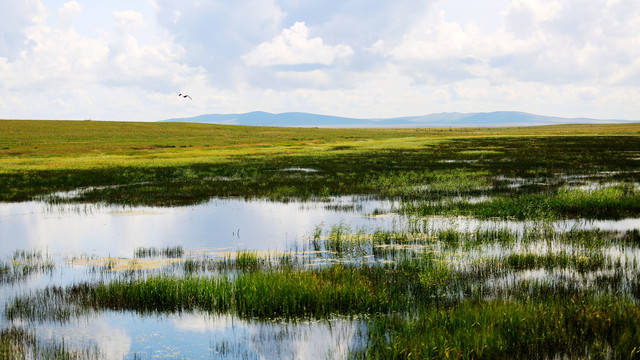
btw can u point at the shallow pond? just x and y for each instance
(66, 232)
(230, 223)
(63, 233)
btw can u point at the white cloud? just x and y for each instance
(15, 18)
(68, 13)
(69, 75)
(524, 16)
(216, 33)
(305, 79)
(439, 41)
(128, 20)
(128, 60)
(542, 42)
(294, 47)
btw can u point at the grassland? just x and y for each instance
(423, 293)
(174, 164)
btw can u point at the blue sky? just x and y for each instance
(128, 60)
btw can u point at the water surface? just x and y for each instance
(66, 232)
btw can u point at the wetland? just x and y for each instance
(140, 241)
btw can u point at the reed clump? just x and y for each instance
(170, 252)
(272, 294)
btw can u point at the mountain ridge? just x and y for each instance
(445, 119)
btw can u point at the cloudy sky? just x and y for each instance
(128, 59)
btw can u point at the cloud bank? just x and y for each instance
(122, 60)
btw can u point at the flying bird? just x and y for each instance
(185, 96)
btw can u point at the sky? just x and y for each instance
(129, 59)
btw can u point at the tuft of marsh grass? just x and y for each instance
(615, 202)
(558, 260)
(15, 343)
(19, 344)
(170, 252)
(574, 327)
(23, 265)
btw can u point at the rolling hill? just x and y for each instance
(300, 119)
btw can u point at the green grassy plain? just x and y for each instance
(177, 163)
(421, 292)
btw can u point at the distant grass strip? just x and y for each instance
(170, 164)
(614, 202)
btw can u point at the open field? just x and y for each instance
(171, 164)
(521, 284)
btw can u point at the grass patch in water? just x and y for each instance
(558, 260)
(18, 344)
(170, 252)
(408, 184)
(23, 265)
(576, 327)
(277, 294)
(614, 202)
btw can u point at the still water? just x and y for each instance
(63, 232)
(118, 231)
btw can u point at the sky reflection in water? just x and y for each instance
(116, 231)
(101, 231)
(98, 231)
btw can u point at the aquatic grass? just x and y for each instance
(558, 260)
(247, 261)
(342, 241)
(335, 290)
(574, 327)
(15, 343)
(52, 303)
(25, 264)
(615, 202)
(261, 288)
(282, 291)
(502, 236)
(170, 252)
(286, 293)
(411, 183)
(239, 261)
(4, 269)
(450, 238)
(19, 344)
(423, 302)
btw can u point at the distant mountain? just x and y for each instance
(300, 119)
